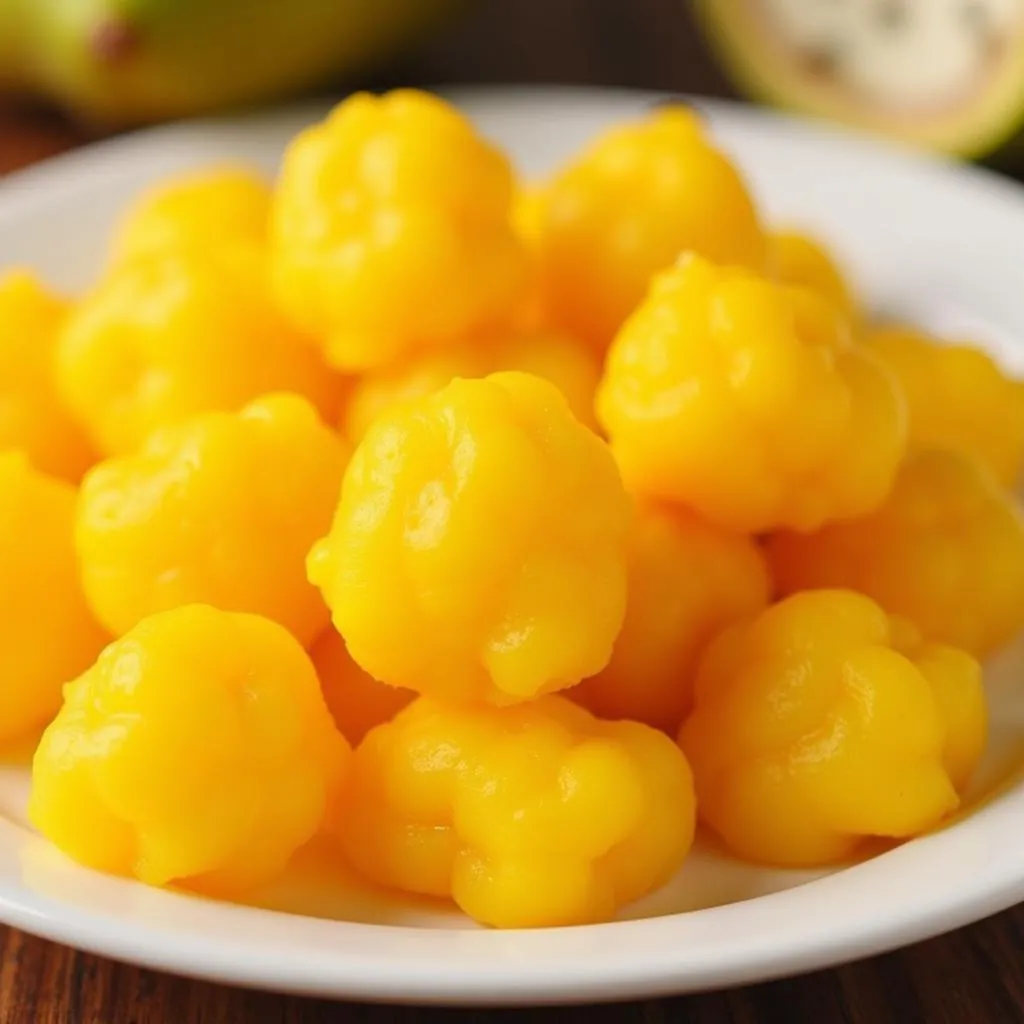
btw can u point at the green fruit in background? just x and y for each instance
(118, 62)
(946, 75)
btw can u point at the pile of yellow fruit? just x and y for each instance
(495, 531)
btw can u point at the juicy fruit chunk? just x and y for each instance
(544, 353)
(528, 213)
(208, 207)
(179, 333)
(47, 635)
(945, 76)
(528, 220)
(798, 259)
(635, 199)
(357, 702)
(196, 751)
(486, 527)
(959, 690)
(220, 510)
(392, 230)
(533, 816)
(374, 394)
(957, 398)
(819, 723)
(32, 416)
(743, 399)
(686, 581)
(945, 550)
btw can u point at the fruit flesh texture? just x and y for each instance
(548, 354)
(485, 526)
(820, 722)
(957, 398)
(800, 259)
(945, 550)
(625, 209)
(220, 509)
(972, 113)
(121, 62)
(533, 816)
(687, 580)
(47, 634)
(808, 428)
(229, 202)
(197, 751)
(178, 333)
(32, 415)
(391, 230)
(528, 222)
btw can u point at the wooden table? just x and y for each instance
(974, 976)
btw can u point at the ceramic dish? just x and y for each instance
(937, 242)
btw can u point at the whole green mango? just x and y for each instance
(123, 62)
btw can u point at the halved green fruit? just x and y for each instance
(947, 75)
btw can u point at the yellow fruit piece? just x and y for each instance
(744, 400)
(816, 724)
(47, 635)
(945, 551)
(196, 751)
(203, 208)
(392, 230)
(801, 260)
(32, 417)
(219, 510)
(686, 581)
(528, 221)
(478, 553)
(355, 699)
(375, 394)
(179, 333)
(557, 358)
(528, 214)
(958, 687)
(625, 209)
(957, 397)
(532, 816)
(545, 353)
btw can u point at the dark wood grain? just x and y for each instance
(650, 44)
(29, 134)
(974, 976)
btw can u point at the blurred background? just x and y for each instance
(947, 75)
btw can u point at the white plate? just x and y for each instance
(932, 240)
